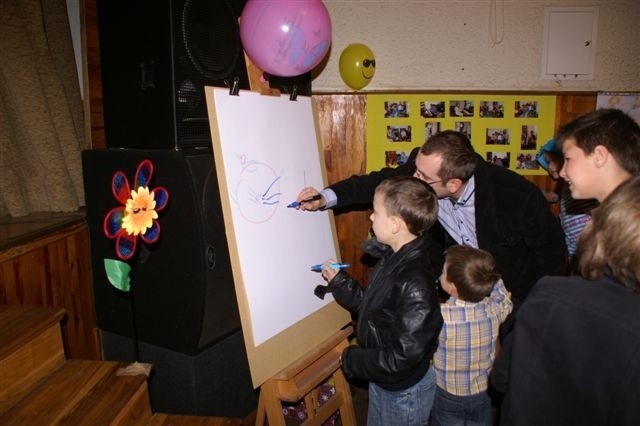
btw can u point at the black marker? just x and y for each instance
(306, 200)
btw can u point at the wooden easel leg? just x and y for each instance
(269, 405)
(347, 413)
(260, 413)
(303, 379)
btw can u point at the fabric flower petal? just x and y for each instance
(125, 245)
(143, 174)
(161, 196)
(152, 234)
(120, 187)
(113, 222)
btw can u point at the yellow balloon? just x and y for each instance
(357, 65)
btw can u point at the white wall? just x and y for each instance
(447, 44)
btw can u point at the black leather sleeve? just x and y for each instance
(409, 340)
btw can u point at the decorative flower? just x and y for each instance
(138, 213)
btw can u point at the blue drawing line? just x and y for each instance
(267, 199)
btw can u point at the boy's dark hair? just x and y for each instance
(611, 128)
(412, 200)
(554, 157)
(458, 157)
(472, 270)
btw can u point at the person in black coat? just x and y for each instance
(480, 205)
(572, 357)
(398, 312)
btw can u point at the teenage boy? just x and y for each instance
(601, 150)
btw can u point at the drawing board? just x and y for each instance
(266, 150)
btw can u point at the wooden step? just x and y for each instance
(30, 349)
(84, 392)
(162, 419)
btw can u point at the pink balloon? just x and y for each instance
(285, 37)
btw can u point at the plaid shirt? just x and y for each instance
(468, 338)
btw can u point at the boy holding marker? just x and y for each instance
(398, 312)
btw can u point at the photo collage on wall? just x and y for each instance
(506, 130)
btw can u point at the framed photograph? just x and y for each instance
(394, 109)
(497, 136)
(395, 158)
(432, 109)
(461, 108)
(399, 133)
(431, 128)
(499, 158)
(491, 109)
(529, 137)
(463, 127)
(527, 161)
(525, 109)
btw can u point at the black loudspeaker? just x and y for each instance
(183, 296)
(215, 382)
(156, 57)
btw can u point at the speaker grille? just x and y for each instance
(211, 38)
(208, 49)
(156, 58)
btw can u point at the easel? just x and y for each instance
(302, 380)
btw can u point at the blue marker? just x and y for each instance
(318, 268)
(306, 200)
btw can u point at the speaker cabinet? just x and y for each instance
(215, 382)
(182, 296)
(156, 57)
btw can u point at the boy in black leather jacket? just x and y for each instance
(398, 312)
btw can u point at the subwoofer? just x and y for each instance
(182, 294)
(156, 56)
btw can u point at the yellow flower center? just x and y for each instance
(139, 211)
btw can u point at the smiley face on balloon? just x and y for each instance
(357, 65)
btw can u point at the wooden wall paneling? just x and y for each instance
(32, 278)
(55, 270)
(94, 75)
(342, 124)
(569, 107)
(8, 290)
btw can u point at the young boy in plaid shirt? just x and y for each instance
(479, 303)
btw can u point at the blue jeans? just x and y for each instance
(453, 410)
(407, 407)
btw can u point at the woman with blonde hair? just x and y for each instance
(573, 355)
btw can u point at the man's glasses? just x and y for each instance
(369, 62)
(432, 182)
